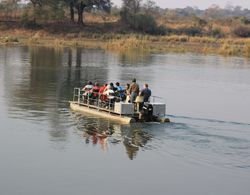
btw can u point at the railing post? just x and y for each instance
(79, 95)
(88, 99)
(109, 106)
(98, 102)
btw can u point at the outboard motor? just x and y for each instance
(147, 112)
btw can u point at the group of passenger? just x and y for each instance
(111, 93)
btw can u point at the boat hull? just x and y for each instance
(108, 115)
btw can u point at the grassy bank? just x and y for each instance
(124, 42)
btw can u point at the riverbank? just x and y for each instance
(124, 42)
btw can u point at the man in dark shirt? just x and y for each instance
(146, 93)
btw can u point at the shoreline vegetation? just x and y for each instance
(126, 42)
(138, 25)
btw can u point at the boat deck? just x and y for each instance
(103, 112)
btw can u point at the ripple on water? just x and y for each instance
(205, 142)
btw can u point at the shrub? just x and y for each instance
(247, 50)
(244, 20)
(142, 22)
(191, 31)
(126, 17)
(242, 31)
(25, 19)
(11, 40)
(27, 23)
(145, 23)
(217, 33)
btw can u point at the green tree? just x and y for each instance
(8, 7)
(81, 5)
(149, 7)
(71, 5)
(129, 10)
(36, 6)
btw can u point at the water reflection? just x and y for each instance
(135, 139)
(134, 58)
(40, 78)
(103, 133)
(38, 83)
(98, 134)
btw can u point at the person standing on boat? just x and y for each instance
(146, 93)
(133, 90)
(127, 88)
(127, 93)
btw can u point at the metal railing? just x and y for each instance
(84, 98)
(157, 99)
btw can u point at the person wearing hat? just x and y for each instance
(133, 90)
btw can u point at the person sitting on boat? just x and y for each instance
(87, 89)
(146, 93)
(102, 88)
(118, 87)
(120, 92)
(133, 90)
(110, 95)
(103, 97)
(111, 86)
(95, 91)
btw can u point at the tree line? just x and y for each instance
(128, 10)
(140, 15)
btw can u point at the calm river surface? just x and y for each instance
(47, 149)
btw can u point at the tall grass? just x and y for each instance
(127, 43)
(247, 50)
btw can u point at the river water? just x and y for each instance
(47, 149)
